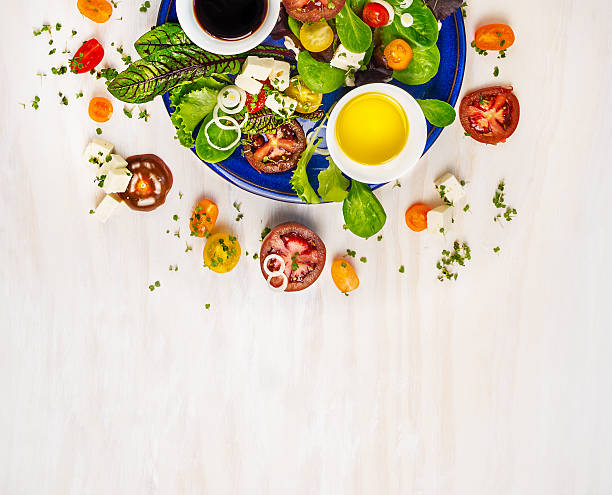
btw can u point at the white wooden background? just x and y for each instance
(499, 383)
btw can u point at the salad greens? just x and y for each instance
(438, 113)
(265, 121)
(221, 137)
(333, 186)
(424, 30)
(165, 36)
(363, 214)
(294, 26)
(192, 102)
(424, 66)
(354, 34)
(319, 76)
(299, 180)
(178, 63)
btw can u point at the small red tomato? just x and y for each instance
(87, 57)
(375, 15)
(254, 103)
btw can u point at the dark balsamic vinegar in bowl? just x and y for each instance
(230, 19)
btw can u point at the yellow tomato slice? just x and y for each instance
(308, 100)
(221, 252)
(316, 36)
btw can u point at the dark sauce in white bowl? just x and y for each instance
(230, 20)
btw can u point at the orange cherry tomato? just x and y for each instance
(100, 109)
(494, 37)
(96, 10)
(398, 54)
(344, 276)
(204, 218)
(416, 217)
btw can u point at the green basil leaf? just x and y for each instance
(363, 213)
(294, 26)
(319, 76)
(438, 113)
(333, 186)
(221, 137)
(163, 70)
(424, 66)
(164, 36)
(354, 34)
(424, 29)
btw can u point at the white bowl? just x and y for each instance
(187, 18)
(404, 161)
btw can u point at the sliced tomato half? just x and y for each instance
(490, 115)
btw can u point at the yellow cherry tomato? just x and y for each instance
(398, 54)
(221, 252)
(316, 36)
(344, 276)
(308, 100)
(96, 10)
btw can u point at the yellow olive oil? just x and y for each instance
(372, 129)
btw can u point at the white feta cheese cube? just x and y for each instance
(97, 150)
(439, 218)
(281, 105)
(106, 208)
(449, 187)
(258, 68)
(279, 77)
(116, 180)
(249, 84)
(345, 60)
(115, 162)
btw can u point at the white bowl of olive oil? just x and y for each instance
(376, 133)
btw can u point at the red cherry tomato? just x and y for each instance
(375, 15)
(87, 57)
(255, 103)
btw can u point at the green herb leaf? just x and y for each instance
(354, 34)
(362, 211)
(438, 113)
(422, 33)
(319, 76)
(424, 66)
(333, 186)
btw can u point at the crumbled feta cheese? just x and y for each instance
(345, 60)
(439, 219)
(106, 208)
(249, 84)
(279, 77)
(281, 105)
(258, 68)
(448, 185)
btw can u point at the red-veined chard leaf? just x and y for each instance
(265, 121)
(164, 36)
(163, 70)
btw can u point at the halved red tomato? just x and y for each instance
(276, 152)
(87, 57)
(375, 15)
(490, 115)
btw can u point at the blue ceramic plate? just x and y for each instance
(445, 86)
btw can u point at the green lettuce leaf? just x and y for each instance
(192, 102)
(164, 36)
(354, 34)
(333, 186)
(299, 180)
(363, 213)
(221, 137)
(438, 113)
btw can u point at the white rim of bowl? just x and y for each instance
(187, 19)
(404, 161)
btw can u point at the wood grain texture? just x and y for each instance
(497, 383)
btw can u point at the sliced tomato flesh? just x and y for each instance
(275, 148)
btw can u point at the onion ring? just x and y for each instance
(282, 287)
(216, 117)
(237, 130)
(278, 258)
(235, 90)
